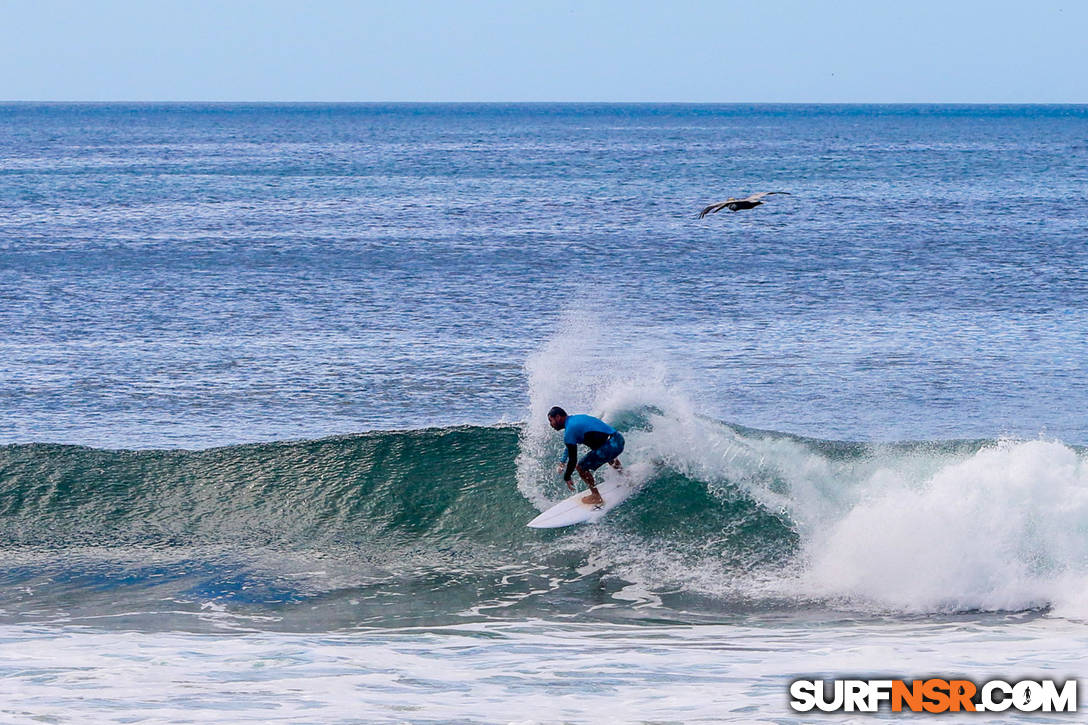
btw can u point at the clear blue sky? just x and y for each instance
(530, 50)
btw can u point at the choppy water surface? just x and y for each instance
(200, 275)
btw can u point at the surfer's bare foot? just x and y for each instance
(593, 499)
(616, 464)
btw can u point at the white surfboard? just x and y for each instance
(617, 489)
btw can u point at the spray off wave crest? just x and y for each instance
(911, 527)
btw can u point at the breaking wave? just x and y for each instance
(728, 517)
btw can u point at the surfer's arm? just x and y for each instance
(571, 457)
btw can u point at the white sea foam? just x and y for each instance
(495, 672)
(1006, 528)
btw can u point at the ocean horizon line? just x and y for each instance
(965, 104)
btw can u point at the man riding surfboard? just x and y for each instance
(604, 442)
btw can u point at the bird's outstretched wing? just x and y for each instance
(760, 195)
(714, 208)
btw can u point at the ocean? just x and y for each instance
(273, 383)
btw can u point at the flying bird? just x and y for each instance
(732, 204)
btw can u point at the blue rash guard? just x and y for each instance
(584, 430)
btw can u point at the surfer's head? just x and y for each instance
(557, 418)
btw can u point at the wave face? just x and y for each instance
(389, 487)
(427, 525)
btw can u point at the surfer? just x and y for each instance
(604, 442)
